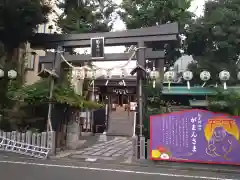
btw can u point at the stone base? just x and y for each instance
(75, 144)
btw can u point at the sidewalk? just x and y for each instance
(109, 148)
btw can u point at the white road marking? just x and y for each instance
(116, 170)
(91, 159)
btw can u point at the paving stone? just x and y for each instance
(95, 146)
(97, 154)
(127, 155)
(79, 152)
(86, 156)
(110, 153)
(102, 151)
(116, 155)
(115, 148)
(87, 153)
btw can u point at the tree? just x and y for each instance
(213, 39)
(225, 102)
(18, 22)
(34, 98)
(38, 93)
(145, 13)
(90, 16)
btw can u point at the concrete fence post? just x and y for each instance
(44, 139)
(135, 147)
(142, 148)
(39, 139)
(13, 135)
(29, 137)
(34, 136)
(4, 134)
(24, 137)
(9, 135)
(51, 136)
(148, 149)
(18, 136)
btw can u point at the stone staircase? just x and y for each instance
(120, 123)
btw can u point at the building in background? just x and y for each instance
(32, 56)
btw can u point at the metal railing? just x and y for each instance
(38, 145)
(23, 148)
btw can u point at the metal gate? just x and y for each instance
(23, 148)
(99, 120)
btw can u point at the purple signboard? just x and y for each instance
(195, 136)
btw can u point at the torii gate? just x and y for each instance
(144, 37)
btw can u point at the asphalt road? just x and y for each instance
(13, 168)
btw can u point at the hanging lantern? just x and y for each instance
(12, 74)
(92, 74)
(108, 76)
(205, 76)
(154, 75)
(187, 76)
(224, 76)
(238, 75)
(78, 73)
(1, 73)
(169, 76)
(123, 75)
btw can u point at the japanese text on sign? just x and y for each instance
(194, 134)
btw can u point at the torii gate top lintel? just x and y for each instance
(166, 32)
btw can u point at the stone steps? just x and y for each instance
(120, 123)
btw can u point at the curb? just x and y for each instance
(186, 167)
(189, 167)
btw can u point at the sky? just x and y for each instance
(196, 7)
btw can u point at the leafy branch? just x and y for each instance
(38, 93)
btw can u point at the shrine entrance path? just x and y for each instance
(120, 123)
(113, 148)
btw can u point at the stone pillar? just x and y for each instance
(135, 147)
(51, 141)
(140, 75)
(160, 68)
(92, 98)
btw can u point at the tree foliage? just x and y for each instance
(19, 20)
(213, 39)
(38, 93)
(145, 13)
(225, 102)
(90, 16)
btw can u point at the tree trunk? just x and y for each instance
(10, 61)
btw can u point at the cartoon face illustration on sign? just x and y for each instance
(220, 132)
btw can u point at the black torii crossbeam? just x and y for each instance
(79, 58)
